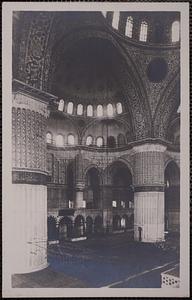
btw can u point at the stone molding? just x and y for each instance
(80, 186)
(26, 177)
(148, 148)
(25, 101)
(149, 188)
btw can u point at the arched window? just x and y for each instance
(49, 138)
(123, 222)
(128, 136)
(99, 142)
(114, 203)
(79, 109)
(71, 139)
(89, 140)
(143, 31)
(119, 108)
(111, 143)
(70, 108)
(175, 31)
(179, 109)
(99, 110)
(61, 105)
(59, 140)
(129, 27)
(121, 140)
(90, 110)
(110, 110)
(115, 21)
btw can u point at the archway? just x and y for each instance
(65, 228)
(79, 226)
(130, 221)
(89, 225)
(121, 185)
(51, 229)
(92, 190)
(116, 222)
(125, 222)
(98, 225)
(172, 197)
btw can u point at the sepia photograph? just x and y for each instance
(96, 109)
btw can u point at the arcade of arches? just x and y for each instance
(95, 130)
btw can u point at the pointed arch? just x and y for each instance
(129, 27)
(175, 31)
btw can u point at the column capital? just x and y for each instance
(148, 148)
(80, 186)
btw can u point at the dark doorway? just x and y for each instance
(89, 225)
(79, 226)
(98, 225)
(116, 222)
(121, 185)
(65, 228)
(92, 191)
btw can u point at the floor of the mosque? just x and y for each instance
(108, 261)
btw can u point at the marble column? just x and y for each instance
(79, 185)
(108, 220)
(79, 192)
(149, 192)
(107, 196)
(29, 180)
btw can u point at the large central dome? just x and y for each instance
(86, 71)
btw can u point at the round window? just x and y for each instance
(157, 70)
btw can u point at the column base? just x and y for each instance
(39, 268)
(149, 217)
(29, 229)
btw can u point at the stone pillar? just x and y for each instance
(29, 179)
(64, 203)
(107, 196)
(149, 192)
(108, 220)
(79, 191)
(80, 185)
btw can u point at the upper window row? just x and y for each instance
(89, 109)
(175, 29)
(60, 139)
(99, 141)
(129, 27)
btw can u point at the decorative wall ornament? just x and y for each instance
(167, 106)
(37, 41)
(29, 129)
